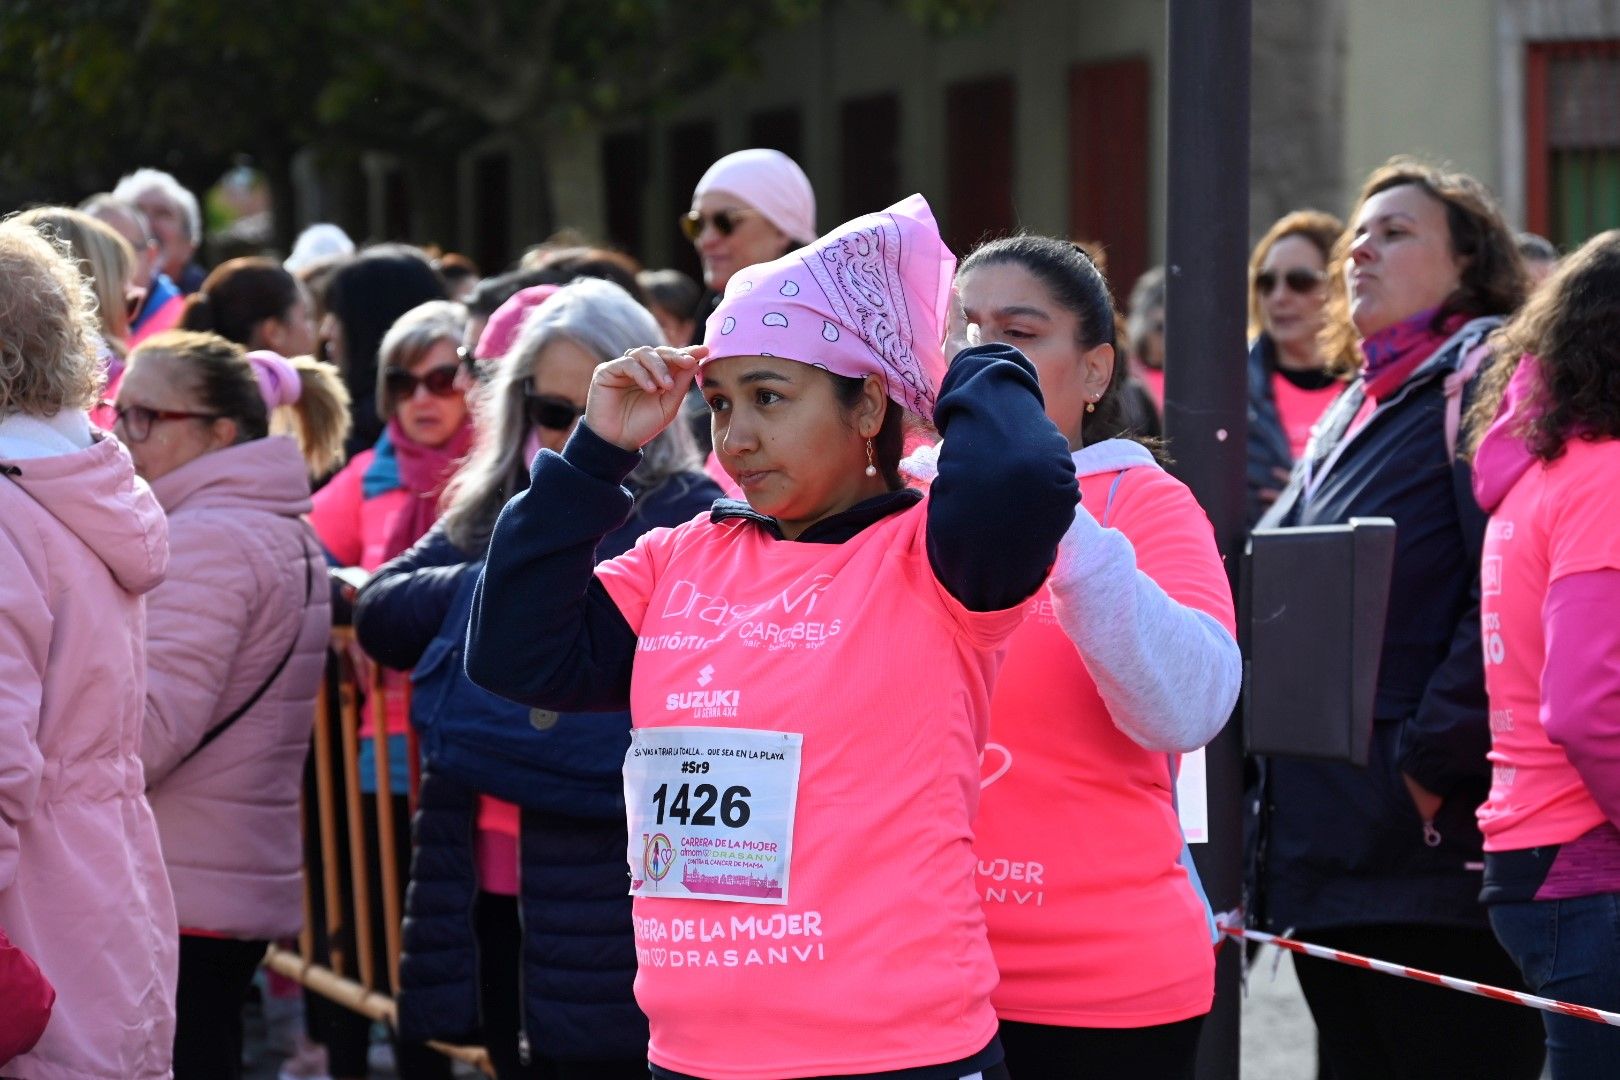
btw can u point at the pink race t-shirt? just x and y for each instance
(878, 959)
(1093, 920)
(1299, 409)
(1559, 519)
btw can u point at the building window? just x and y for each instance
(1572, 139)
(492, 224)
(692, 148)
(1109, 125)
(979, 185)
(869, 143)
(625, 167)
(778, 129)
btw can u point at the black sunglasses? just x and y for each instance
(440, 382)
(1299, 280)
(724, 221)
(548, 410)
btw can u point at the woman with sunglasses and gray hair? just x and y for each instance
(518, 931)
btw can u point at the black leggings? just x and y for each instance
(500, 939)
(1379, 1027)
(214, 977)
(1044, 1052)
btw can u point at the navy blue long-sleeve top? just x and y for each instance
(545, 632)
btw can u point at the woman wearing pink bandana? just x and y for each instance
(1385, 860)
(808, 672)
(236, 644)
(1545, 470)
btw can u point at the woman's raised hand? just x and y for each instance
(636, 396)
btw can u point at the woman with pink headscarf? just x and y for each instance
(236, 644)
(808, 671)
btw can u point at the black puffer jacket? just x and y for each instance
(1340, 845)
(578, 955)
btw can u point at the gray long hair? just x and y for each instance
(600, 318)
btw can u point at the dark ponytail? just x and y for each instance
(238, 296)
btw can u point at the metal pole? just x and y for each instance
(1206, 422)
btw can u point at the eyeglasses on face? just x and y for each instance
(548, 410)
(725, 222)
(137, 420)
(1299, 280)
(440, 382)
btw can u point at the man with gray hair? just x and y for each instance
(160, 298)
(175, 220)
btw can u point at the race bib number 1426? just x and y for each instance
(711, 812)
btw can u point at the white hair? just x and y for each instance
(141, 181)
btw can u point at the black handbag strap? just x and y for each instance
(220, 728)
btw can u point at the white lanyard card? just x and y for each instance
(711, 812)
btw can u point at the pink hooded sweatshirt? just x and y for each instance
(82, 886)
(241, 563)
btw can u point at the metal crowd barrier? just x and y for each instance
(336, 954)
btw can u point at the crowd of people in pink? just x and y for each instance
(788, 674)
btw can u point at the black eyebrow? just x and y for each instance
(762, 375)
(1013, 311)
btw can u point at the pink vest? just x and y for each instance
(1093, 920)
(878, 960)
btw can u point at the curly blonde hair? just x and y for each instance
(48, 332)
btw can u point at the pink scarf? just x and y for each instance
(423, 473)
(1389, 357)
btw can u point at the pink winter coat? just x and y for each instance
(241, 561)
(82, 887)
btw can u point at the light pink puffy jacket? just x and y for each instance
(82, 887)
(240, 561)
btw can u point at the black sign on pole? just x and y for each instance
(1206, 423)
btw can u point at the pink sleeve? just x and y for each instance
(336, 516)
(1580, 682)
(631, 577)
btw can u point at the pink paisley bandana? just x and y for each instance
(869, 298)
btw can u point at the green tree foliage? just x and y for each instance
(93, 87)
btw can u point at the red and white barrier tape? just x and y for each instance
(1467, 986)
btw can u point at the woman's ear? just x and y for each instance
(1097, 366)
(869, 412)
(225, 432)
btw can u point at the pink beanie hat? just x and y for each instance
(503, 326)
(770, 182)
(278, 380)
(869, 298)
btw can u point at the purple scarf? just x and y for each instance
(1389, 357)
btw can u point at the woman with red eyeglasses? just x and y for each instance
(383, 501)
(519, 870)
(1289, 385)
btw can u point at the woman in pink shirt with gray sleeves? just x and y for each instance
(808, 672)
(1547, 468)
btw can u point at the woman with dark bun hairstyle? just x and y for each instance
(255, 303)
(1547, 424)
(1125, 662)
(1384, 859)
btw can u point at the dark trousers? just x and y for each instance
(1570, 950)
(345, 1034)
(1379, 1027)
(214, 978)
(1045, 1052)
(500, 947)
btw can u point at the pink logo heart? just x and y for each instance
(993, 751)
(659, 956)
